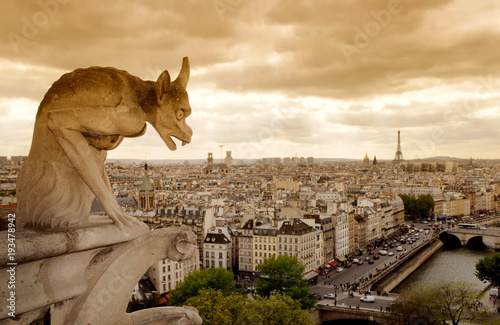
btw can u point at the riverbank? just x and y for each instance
(398, 272)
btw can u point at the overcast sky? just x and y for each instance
(275, 78)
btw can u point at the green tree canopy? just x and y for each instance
(236, 309)
(488, 269)
(422, 206)
(438, 303)
(410, 204)
(283, 274)
(425, 205)
(218, 279)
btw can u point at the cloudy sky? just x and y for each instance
(275, 78)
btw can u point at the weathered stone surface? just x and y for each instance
(84, 114)
(37, 244)
(94, 286)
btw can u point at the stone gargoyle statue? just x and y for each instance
(83, 115)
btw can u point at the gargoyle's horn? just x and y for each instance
(183, 77)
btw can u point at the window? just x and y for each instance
(169, 268)
(163, 269)
(220, 255)
(207, 254)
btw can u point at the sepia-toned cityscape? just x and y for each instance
(228, 162)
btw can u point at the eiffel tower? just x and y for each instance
(399, 154)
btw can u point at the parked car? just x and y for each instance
(355, 260)
(390, 253)
(370, 262)
(376, 257)
(383, 252)
(329, 296)
(348, 265)
(360, 262)
(367, 258)
(367, 299)
(339, 269)
(399, 248)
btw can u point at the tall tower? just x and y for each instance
(229, 159)
(399, 154)
(146, 193)
(210, 159)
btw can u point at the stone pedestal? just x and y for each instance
(87, 275)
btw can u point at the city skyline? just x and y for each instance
(273, 80)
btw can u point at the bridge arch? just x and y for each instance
(450, 238)
(470, 238)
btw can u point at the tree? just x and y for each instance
(213, 307)
(410, 204)
(218, 279)
(422, 206)
(283, 274)
(488, 269)
(236, 309)
(425, 205)
(280, 309)
(437, 303)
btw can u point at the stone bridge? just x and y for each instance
(464, 235)
(328, 314)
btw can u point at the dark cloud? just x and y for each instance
(370, 66)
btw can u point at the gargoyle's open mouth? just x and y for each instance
(171, 144)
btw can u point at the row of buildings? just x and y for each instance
(319, 211)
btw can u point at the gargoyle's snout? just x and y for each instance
(183, 133)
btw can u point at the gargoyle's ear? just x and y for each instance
(161, 87)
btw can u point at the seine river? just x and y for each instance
(450, 263)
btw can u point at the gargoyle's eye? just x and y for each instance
(179, 114)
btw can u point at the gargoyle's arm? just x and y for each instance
(67, 126)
